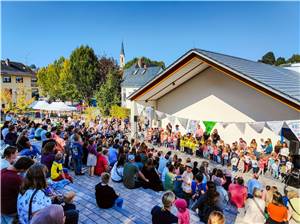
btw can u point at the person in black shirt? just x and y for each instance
(49, 139)
(163, 215)
(11, 137)
(23, 141)
(106, 196)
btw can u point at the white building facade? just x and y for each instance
(208, 86)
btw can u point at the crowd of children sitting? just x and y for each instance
(259, 158)
(106, 151)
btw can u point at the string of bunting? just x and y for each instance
(191, 125)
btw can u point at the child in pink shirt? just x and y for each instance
(183, 213)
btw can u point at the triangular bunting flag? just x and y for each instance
(209, 125)
(160, 115)
(275, 126)
(172, 120)
(241, 126)
(183, 122)
(140, 109)
(224, 124)
(295, 127)
(257, 126)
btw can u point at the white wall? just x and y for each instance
(212, 95)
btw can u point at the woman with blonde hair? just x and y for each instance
(163, 215)
(216, 217)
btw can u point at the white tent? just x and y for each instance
(59, 106)
(39, 105)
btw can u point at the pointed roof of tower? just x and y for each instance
(122, 49)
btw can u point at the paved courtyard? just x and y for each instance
(136, 208)
(137, 202)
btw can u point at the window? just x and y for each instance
(6, 79)
(19, 79)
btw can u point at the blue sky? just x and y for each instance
(40, 32)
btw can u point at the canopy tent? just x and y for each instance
(39, 105)
(59, 106)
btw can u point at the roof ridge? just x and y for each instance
(227, 55)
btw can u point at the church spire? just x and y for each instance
(122, 56)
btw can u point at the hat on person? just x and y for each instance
(131, 157)
(181, 204)
(189, 165)
(52, 214)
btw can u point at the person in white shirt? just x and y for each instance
(187, 178)
(118, 168)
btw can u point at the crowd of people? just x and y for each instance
(260, 158)
(29, 172)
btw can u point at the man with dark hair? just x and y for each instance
(9, 156)
(48, 138)
(11, 188)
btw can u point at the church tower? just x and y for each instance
(122, 56)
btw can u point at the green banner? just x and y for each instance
(209, 125)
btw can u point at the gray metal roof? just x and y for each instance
(137, 77)
(15, 68)
(278, 79)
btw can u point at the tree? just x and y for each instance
(268, 58)
(294, 59)
(32, 66)
(6, 98)
(109, 93)
(119, 112)
(145, 61)
(106, 65)
(68, 90)
(49, 77)
(22, 99)
(280, 61)
(84, 70)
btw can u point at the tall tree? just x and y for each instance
(145, 61)
(84, 70)
(109, 93)
(48, 79)
(67, 86)
(280, 61)
(294, 59)
(106, 65)
(268, 58)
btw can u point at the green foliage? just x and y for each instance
(109, 93)
(55, 81)
(294, 59)
(146, 61)
(106, 65)
(67, 87)
(84, 70)
(268, 58)
(119, 112)
(90, 114)
(280, 61)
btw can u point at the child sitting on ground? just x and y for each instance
(69, 201)
(106, 196)
(57, 171)
(183, 213)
